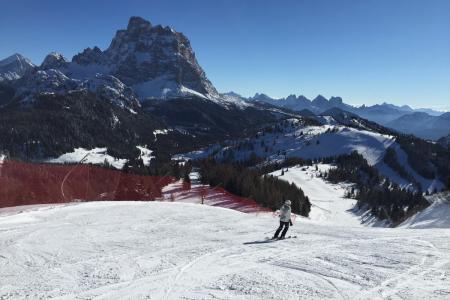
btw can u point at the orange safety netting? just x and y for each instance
(29, 183)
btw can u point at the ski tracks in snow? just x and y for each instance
(431, 261)
(137, 250)
(187, 266)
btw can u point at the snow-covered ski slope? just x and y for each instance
(331, 207)
(164, 250)
(185, 250)
(314, 142)
(328, 204)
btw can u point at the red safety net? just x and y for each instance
(29, 183)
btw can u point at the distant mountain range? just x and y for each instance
(146, 82)
(424, 123)
(146, 62)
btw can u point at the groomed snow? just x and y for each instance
(329, 206)
(163, 250)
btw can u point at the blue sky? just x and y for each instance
(366, 51)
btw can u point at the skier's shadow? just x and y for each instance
(259, 242)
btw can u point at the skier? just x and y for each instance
(285, 220)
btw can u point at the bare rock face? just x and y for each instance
(157, 61)
(54, 60)
(89, 56)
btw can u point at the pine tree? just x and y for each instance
(176, 170)
(186, 177)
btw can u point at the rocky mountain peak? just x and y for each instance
(262, 97)
(89, 56)
(11, 59)
(291, 97)
(302, 98)
(320, 100)
(54, 60)
(145, 61)
(138, 24)
(336, 100)
(157, 62)
(14, 67)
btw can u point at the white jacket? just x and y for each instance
(285, 213)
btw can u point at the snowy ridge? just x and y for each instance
(309, 142)
(314, 142)
(54, 60)
(45, 82)
(14, 67)
(112, 89)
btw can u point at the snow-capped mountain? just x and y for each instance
(145, 61)
(54, 60)
(44, 82)
(14, 67)
(103, 98)
(156, 62)
(112, 89)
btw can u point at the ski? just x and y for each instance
(278, 239)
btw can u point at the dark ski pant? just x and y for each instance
(286, 227)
